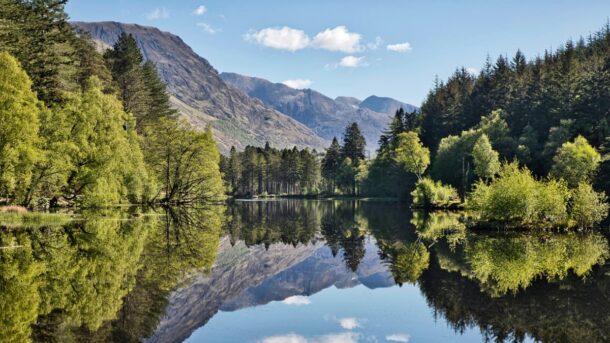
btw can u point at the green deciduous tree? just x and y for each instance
(576, 162)
(485, 158)
(19, 118)
(411, 153)
(587, 207)
(184, 161)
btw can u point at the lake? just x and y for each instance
(299, 271)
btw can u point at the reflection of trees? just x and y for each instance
(76, 275)
(19, 283)
(184, 240)
(565, 311)
(407, 261)
(104, 278)
(268, 222)
(510, 263)
(439, 225)
(344, 230)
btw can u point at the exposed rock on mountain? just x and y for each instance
(203, 97)
(325, 116)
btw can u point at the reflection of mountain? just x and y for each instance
(249, 277)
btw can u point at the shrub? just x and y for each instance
(516, 198)
(587, 207)
(433, 194)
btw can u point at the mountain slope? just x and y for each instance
(385, 105)
(325, 116)
(203, 97)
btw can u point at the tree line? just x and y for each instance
(261, 171)
(90, 129)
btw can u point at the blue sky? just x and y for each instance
(356, 47)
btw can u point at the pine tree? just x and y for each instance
(125, 61)
(331, 163)
(353, 144)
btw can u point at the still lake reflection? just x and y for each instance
(299, 271)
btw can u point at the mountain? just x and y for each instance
(348, 100)
(325, 116)
(385, 105)
(202, 97)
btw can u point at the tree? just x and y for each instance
(353, 144)
(37, 34)
(106, 165)
(576, 162)
(19, 115)
(159, 105)
(184, 161)
(588, 208)
(486, 162)
(411, 153)
(125, 61)
(330, 164)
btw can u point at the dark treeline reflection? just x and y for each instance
(107, 277)
(102, 278)
(551, 286)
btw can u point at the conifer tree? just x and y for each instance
(353, 144)
(331, 163)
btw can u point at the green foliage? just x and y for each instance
(576, 162)
(411, 154)
(454, 160)
(438, 225)
(330, 164)
(587, 207)
(19, 114)
(486, 162)
(258, 171)
(504, 264)
(430, 194)
(184, 161)
(516, 199)
(546, 101)
(353, 144)
(107, 165)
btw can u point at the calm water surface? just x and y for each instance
(299, 271)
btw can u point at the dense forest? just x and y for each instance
(82, 128)
(524, 143)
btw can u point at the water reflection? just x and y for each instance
(161, 275)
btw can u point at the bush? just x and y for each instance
(430, 194)
(516, 198)
(587, 207)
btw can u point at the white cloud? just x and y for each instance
(398, 337)
(400, 47)
(207, 28)
(352, 62)
(374, 45)
(297, 300)
(473, 71)
(200, 10)
(158, 13)
(349, 323)
(284, 38)
(344, 337)
(338, 39)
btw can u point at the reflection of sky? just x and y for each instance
(359, 314)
